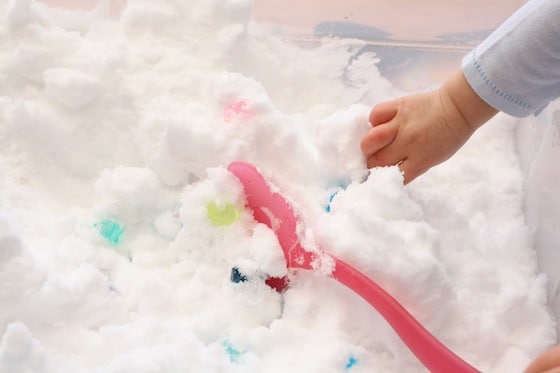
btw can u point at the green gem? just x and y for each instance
(222, 215)
(112, 231)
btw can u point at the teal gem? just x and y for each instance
(233, 353)
(111, 231)
(352, 361)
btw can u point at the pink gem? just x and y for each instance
(238, 109)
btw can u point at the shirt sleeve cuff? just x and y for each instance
(491, 93)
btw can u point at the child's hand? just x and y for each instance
(422, 130)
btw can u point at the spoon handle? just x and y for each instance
(435, 356)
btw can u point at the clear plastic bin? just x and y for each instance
(419, 43)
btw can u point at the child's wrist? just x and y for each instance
(474, 110)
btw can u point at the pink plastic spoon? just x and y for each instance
(272, 209)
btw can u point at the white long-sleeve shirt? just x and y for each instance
(517, 68)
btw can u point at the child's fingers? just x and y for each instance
(383, 113)
(548, 361)
(377, 138)
(410, 170)
(389, 155)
